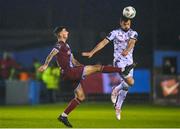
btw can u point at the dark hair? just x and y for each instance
(123, 18)
(59, 29)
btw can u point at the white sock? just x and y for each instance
(125, 86)
(64, 114)
(118, 88)
(120, 99)
(121, 86)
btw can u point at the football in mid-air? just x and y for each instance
(129, 12)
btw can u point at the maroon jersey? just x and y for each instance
(64, 56)
(64, 60)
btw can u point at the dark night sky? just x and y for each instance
(157, 21)
(92, 14)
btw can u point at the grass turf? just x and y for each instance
(90, 115)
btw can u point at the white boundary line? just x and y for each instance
(91, 128)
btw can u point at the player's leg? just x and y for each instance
(124, 85)
(79, 93)
(115, 92)
(119, 93)
(119, 101)
(90, 69)
(121, 96)
(79, 97)
(128, 82)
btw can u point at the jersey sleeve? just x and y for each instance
(57, 47)
(111, 36)
(134, 35)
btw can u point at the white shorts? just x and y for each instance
(123, 64)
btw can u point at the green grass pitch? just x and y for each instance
(90, 115)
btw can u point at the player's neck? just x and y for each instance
(125, 30)
(61, 39)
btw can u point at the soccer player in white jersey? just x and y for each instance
(124, 39)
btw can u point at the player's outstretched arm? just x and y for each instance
(48, 59)
(98, 47)
(131, 45)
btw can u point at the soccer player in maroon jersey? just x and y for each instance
(74, 71)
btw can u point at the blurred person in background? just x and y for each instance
(36, 65)
(8, 66)
(169, 67)
(51, 78)
(74, 71)
(124, 39)
(38, 77)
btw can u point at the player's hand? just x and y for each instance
(42, 68)
(124, 53)
(87, 54)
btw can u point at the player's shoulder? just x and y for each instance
(58, 45)
(116, 31)
(132, 34)
(132, 31)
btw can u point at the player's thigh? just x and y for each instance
(90, 69)
(129, 78)
(79, 92)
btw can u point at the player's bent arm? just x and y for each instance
(48, 59)
(50, 56)
(100, 45)
(131, 44)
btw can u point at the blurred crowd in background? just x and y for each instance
(50, 79)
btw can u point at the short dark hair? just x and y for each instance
(125, 19)
(59, 29)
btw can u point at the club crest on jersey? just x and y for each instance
(120, 37)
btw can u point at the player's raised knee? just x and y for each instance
(131, 82)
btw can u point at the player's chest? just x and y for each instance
(66, 51)
(122, 37)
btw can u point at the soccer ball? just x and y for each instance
(129, 12)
